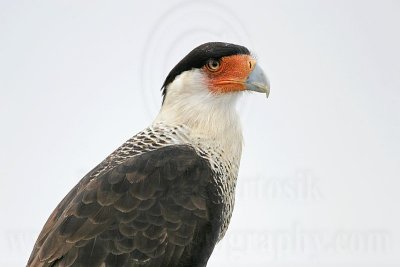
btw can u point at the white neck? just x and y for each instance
(207, 116)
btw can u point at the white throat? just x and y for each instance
(208, 116)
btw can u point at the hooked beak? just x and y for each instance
(257, 81)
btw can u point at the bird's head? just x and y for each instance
(206, 83)
(217, 69)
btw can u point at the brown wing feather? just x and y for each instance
(151, 210)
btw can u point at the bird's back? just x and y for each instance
(153, 202)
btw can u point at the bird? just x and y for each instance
(165, 197)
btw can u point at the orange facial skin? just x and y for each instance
(231, 75)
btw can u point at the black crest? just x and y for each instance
(198, 57)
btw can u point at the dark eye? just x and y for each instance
(213, 65)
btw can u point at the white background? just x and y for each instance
(319, 179)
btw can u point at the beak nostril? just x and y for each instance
(250, 64)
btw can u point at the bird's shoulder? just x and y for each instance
(146, 188)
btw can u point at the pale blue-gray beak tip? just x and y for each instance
(257, 81)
